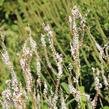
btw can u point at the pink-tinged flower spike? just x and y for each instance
(101, 56)
(98, 85)
(59, 64)
(76, 13)
(25, 65)
(7, 101)
(7, 61)
(70, 23)
(75, 49)
(101, 51)
(77, 25)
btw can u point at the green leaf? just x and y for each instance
(83, 102)
(89, 105)
(65, 87)
(44, 107)
(1, 2)
(81, 88)
(105, 107)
